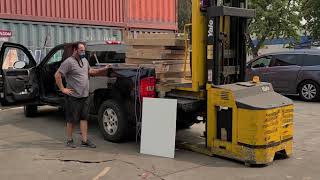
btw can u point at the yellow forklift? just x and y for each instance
(245, 121)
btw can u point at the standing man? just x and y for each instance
(76, 71)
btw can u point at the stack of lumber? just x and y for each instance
(164, 52)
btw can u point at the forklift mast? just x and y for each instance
(218, 41)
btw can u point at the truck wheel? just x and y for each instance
(30, 110)
(113, 123)
(309, 91)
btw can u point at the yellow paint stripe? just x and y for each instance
(102, 173)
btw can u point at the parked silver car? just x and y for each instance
(291, 72)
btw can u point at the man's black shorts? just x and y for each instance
(76, 109)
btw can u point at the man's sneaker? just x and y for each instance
(71, 144)
(88, 144)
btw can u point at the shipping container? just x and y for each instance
(42, 37)
(93, 12)
(153, 14)
(143, 14)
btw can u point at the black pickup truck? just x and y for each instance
(115, 98)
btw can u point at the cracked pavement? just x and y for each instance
(33, 148)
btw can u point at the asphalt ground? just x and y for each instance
(33, 148)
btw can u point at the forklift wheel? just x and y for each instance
(30, 110)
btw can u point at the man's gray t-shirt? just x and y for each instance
(76, 75)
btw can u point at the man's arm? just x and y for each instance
(58, 77)
(99, 72)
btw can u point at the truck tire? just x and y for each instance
(30, 110)
(309, 91)
(113, 123)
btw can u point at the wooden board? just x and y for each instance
(155, 49)
(175, 80)
(153, 55)
(155, 36)
(172, 75)
(156, 42)
(144, 47)
(160, 68)
(154, 61)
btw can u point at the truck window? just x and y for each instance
(105, 57)
(286, 60)
(262, 62)
(56, 57)
(12, 55)
(311, 60)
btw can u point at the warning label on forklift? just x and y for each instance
(271, 122)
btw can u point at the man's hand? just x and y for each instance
(67, 91)
(59, 83)
(108, 66)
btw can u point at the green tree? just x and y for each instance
(274, 19)
(184, 13)
(311, 13)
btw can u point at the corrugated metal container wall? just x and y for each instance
(41, 37)
(154, 14)
(94, 12)
(149, 14)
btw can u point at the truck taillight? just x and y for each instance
(113, 42)
(148, 87)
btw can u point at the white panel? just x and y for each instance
(158, 127)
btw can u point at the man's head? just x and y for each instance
(79, 49)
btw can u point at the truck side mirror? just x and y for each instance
(19, 64)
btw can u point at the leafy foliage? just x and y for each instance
(311, 12)
(274, 19)
(184, 13)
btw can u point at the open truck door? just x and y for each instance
(18, 77)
